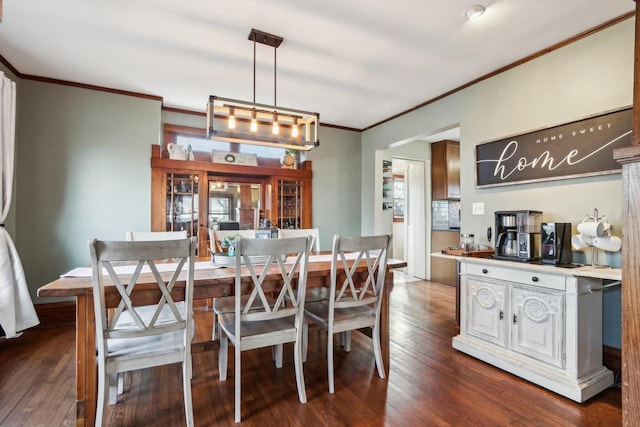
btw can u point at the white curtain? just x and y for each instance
(16, 308)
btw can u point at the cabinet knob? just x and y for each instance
(534, 279)
(515, 319)
(501, 314)
(485, 271)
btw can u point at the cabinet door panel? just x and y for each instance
(538, 316)
(486, 310)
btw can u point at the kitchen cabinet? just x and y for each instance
(541, 323)
(444, 270)
(445, 170)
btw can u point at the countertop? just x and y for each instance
(606, 273)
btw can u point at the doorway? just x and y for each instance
(410, 236)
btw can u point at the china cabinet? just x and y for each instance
(542, 324)
(182, 203)
(185, 196)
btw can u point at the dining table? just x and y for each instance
(210, 281)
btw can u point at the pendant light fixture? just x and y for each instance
(243, 122)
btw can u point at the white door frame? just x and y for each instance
(417, 217)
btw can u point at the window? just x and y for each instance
(205, 144)
(220, 208)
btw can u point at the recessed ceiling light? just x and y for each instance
(475, 11)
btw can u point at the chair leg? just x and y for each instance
(347, 341)
(377, 351)
(305, 340)
(330, 360)
(223, 354)
(120, 382)
(103, 392)
(113, 380)
(277, 355)
(238, 380)
(298, 360)
(186, 381)
(214, 329)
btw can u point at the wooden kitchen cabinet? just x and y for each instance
(541, 323)
(445, 170)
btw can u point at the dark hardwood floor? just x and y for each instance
(429, 384)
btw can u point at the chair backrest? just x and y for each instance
(277, 267)
(372, 250)
(216, 237)
(139, 236)
(286, 233)
(104, 257)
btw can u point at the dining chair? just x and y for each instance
(357, 301)
(252, 326)
(147, 312)
(316, 293)
(155, 235)
(132, 339)
(224, 304)
(286, 233)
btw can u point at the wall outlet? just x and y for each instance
(478, 208)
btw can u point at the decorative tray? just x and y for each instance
(483, 253)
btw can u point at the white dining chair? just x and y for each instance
(252, 326)
(355, 302)
(223, 304)
(146, 312)
(131, 339)
(286, 233)
(137, 236)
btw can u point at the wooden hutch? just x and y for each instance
(181, 191)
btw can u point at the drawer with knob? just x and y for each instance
(527, 277)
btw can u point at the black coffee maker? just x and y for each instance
(556, 243)
(517, 235)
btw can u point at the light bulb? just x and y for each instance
(294, 128)
(254, 122)
(232, 119)
(276, 128)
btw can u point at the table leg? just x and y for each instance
(86, 374)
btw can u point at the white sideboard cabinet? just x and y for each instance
(541, 323)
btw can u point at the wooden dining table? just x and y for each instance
(208, 283)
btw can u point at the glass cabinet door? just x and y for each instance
(289, 203)
(182, 203)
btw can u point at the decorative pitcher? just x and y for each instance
(178, 152)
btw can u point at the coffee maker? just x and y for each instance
(556, 243)
(518, 235)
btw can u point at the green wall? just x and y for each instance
(82, 172)
(584, 78)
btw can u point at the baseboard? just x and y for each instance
(612, 359)
(56, 314)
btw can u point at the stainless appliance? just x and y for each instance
(518, 235)
(556, 243)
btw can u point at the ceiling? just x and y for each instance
(355, 62)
